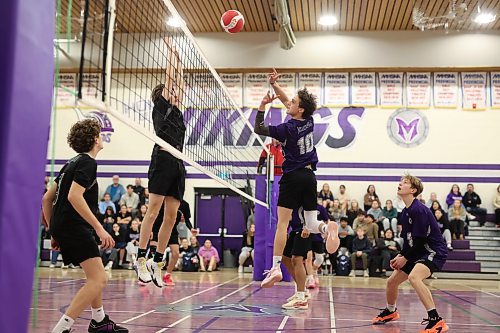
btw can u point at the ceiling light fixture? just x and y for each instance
(328, 20)
(175, 22)
(484, 18)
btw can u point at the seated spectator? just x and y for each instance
(123, 218)
(194, 244)
(389, 249)
(457, 216)
(188, 259)
(359, 221)
(453, 195)
(369, 197)
(344, 198)
(444, 226)
(472, 203)
(130, 200)
(436, 206)
(346, 233)
(105, 204)
(133, 243)
(370, 228)
(116, 191)
(247, 247)
(326, 196)
(377, 213)
(141, 213)
(361, 246)
(398, 236)
(120, 237)
(390, 215)
(496, 205)
(108, 257)
(140, 191)
(209, 257)
(108, 219)
(432, 198)
(335, 211)
(353, 211)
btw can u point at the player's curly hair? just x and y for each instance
(82, 135)
(307, 102)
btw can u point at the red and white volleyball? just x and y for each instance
(232, 21)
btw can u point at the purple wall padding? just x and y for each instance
(26, 80)
(264, 231)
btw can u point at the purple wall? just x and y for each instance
(26, 72)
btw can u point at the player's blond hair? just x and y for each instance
(415, 183)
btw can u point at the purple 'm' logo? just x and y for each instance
(408, 127)
(405, 129)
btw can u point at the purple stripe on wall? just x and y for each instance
(333, 165)
(488, 180)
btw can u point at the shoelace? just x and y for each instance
(267, 271)
(426, 321)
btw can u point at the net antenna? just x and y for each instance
(130, 53)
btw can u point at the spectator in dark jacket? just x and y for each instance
(361, 246)
(472, 203)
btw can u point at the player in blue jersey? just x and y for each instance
(424, 252)
(298, 184)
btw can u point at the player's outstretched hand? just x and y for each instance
(194, 232)
(268, 98)
(107, 241)
(273, 76)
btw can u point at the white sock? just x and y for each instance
(64, 324)
(391, 308)
(310, 276)
(301, 295)
(98, 314)
(311, 219)
(276, 261)
(295, 285)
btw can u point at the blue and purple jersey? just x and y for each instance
(297, 140)
(419, 222)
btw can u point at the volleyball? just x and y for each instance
(232, 21)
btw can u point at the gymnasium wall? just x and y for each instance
(355, 149)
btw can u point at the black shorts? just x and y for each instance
(167, 175)
(408, 267)
(298, 189)
(77, 247)
(318, 247)
(296, 245)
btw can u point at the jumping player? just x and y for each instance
(298, 184)
(166, 172)
(424, 252)
(70, 206)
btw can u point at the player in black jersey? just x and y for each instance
(173, 243)
(70, 206)
(166, 172)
